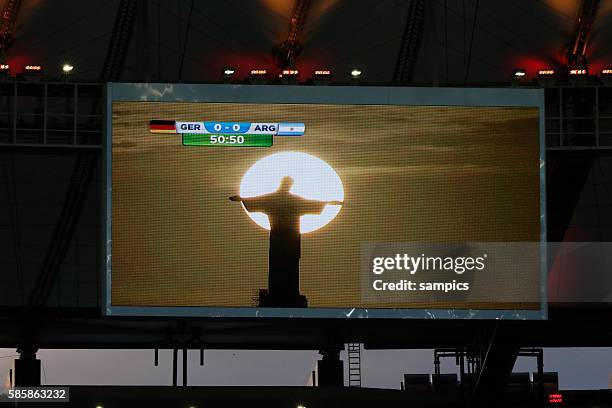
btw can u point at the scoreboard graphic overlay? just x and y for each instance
(241, 134)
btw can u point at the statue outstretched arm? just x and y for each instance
(316, 206)
(254, 204)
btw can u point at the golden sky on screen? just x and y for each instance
(409, 173)
(313, 179)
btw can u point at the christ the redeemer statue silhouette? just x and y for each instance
(284, 211)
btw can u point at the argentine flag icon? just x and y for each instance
(291, 129)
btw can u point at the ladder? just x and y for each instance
(354, 364)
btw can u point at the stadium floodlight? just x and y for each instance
(67, 70)
(258, 76)
(577, 71)
(518, 74)
(321, 76)
(578, 76)
(547, 76)
(31, 72)
(228, 73)
(289, 76)
(606, 76)
(547, 72)
(32, 68)
(4, 70)
(355, 76)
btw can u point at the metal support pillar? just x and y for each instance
(8, 19)
(539, 375)
(497, 352)
(411, 42)
(576, 53)
(174, 366)
(288, 51)
(27, 367)
(184, 367)
(330, 368)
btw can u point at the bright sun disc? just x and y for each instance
(313, 179)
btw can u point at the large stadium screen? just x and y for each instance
(348, 202)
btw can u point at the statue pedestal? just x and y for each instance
(267, 299)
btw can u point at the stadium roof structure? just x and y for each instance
(463, 41)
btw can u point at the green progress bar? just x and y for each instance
(223, 140)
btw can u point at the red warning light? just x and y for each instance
(555, 398)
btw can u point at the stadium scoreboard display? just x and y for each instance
(224, 134)
(345, 202)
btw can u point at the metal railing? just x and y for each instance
(51, 114)
(578, 117)
(65, 114)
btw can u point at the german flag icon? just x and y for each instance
(162, 126)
